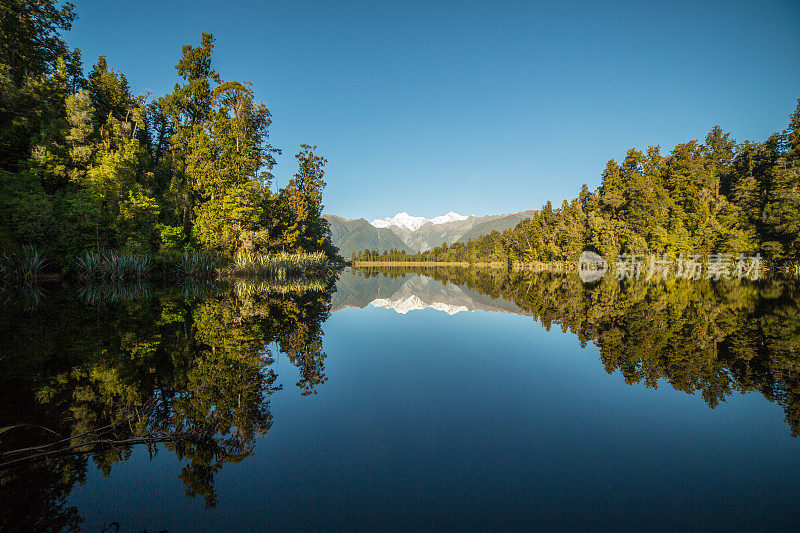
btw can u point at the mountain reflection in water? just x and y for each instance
(404, 293)
(92, 373)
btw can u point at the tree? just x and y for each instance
(31, 50)
(30, 39)
(188, 107)
(110, 94)
(300, 226)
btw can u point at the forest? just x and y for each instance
(92, 173)
(700, 198)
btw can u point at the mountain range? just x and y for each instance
(415, 234)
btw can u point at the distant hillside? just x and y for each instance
(501, 223)
(415, 234)
(431, 234)
(356, 235)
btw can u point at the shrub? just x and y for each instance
(24, 265)
(112, 265)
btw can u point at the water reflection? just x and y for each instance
(88, 372)
(409, 290)
(710, 337)
(105, 368)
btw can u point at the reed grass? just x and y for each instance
(111, 265)
(24, 265)
(279, 266)
(196, 265)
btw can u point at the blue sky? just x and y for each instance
(475, 107)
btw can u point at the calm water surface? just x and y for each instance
(448, 399)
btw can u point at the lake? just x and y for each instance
(402, 398)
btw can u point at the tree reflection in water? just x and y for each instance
(710, 337)
(188, 371)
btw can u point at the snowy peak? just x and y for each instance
(401, 220)
(414, 303)
(452, 216)
(412, 223)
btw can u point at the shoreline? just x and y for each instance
(556, 266)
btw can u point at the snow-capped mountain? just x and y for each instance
(414, 234)
(412, 223)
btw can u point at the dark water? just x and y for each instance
(456, 399)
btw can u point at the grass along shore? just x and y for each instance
(29, 265)
(279, 265)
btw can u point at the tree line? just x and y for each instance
(87, 165)
(700, 198)
(392, 254)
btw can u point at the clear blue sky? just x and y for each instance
(481, 108)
